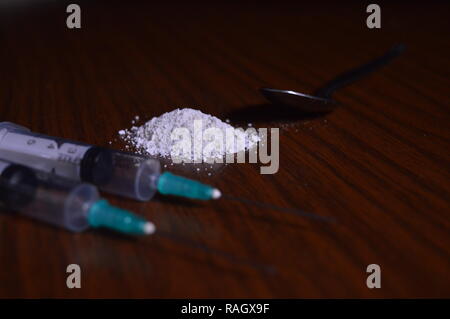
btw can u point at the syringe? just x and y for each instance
(64, 203)
(116, 172)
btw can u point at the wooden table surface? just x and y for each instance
(379, 164)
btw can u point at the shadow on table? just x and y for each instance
(268, 113)
(181, 201)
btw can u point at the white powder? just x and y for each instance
(210, 141)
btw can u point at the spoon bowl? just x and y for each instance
(321, 101)
(307, 103)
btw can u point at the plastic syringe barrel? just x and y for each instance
(64, 203)
(46, 197)
(111, 171)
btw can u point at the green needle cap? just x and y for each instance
(102, 214)
(170, 184)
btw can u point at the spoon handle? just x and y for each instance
(353, 75)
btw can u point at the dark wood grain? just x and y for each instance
(379, 164)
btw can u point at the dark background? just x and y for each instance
(379, 164)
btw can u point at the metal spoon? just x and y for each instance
(321, 101)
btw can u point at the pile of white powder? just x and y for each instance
(155, 137)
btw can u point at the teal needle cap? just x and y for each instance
(102, 214)
(171, 184)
